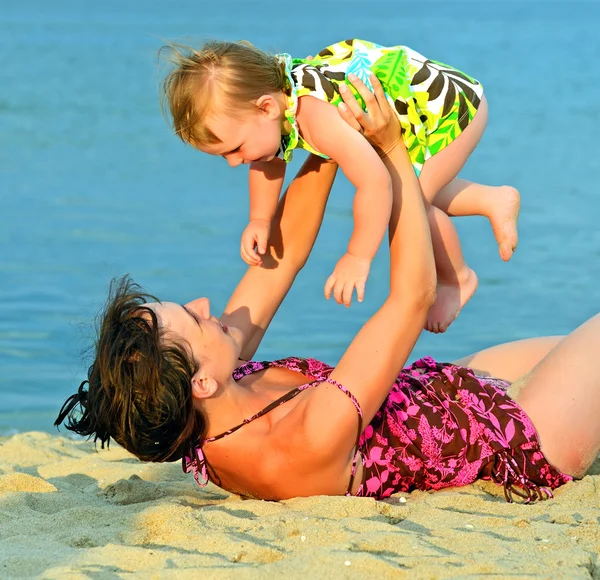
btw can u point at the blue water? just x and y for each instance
(93, 185)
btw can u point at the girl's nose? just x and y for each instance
(234, 161)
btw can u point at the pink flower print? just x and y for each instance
(432, 479)
(387, 492)
(441, 434)
(485, 449)
(374, 457)
(447, 371)
(388, 457)
(509, 433)
(380, 439)
(413, 463)
(373, 484)
(505, 437)
(429, 447)
(315, 367)
(467, 474)
(474, 427)
(398, 430)
(448, 421)
(397, 397)
(528, 428)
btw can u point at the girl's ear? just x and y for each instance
(203, 386)
(269, 106)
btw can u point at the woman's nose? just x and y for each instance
(201, 306)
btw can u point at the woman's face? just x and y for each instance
(214, 347)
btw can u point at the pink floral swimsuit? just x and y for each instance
(440, 426)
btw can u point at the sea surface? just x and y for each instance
(93, 184)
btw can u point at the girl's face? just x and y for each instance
(251, 136)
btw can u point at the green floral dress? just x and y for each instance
(434, 102)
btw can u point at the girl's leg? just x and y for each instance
(458, 197)
(457, 282)
(500, 204)
(510, 360)
(562, 398)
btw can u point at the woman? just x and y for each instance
(171, 381)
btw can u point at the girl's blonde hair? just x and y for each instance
(229, 75)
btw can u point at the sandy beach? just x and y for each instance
(69, 512)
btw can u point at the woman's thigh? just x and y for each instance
(510, 360)
(562, 398)
(439, 170)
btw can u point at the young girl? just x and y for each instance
(234, 100)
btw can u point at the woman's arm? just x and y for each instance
(294, 231)
(373, 360)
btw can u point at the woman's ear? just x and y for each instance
(203, 386)
(268, 105)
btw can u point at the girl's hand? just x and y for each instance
(380, 125)
(350, 272)
(255, 237)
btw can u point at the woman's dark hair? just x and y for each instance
(139, 385)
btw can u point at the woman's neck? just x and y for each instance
(239, 400)
(228, 407)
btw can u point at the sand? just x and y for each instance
(69, 512)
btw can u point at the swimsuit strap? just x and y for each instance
(359, 433)
(198, 464)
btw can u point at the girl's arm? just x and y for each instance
(322, 127)
(373, 360)
(295, 227)
(265, 180)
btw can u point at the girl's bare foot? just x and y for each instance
(449, 300)
(503, 215)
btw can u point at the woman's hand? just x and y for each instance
(380, 125)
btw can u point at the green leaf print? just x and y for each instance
(463, 112)
(447, 69)
(421, 75)
(437, 143)
(435, 88)
(469, 93)
(391, 70)
(338, 52)
(449, 99)
(401, 107)
(446, 124)
(336, 76)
